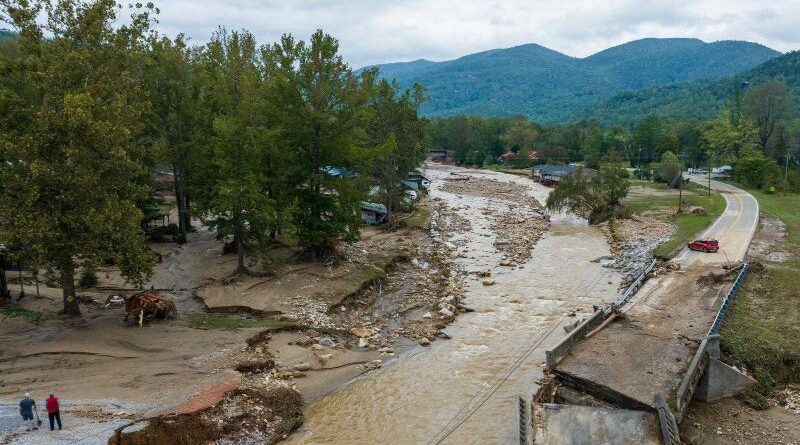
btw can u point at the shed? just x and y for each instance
(373, 213)
(550, 174)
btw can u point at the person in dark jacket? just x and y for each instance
(53, 411)
(26, 408)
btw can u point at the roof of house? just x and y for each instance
(410, 185)
(338, 172)
(373, 207)
(555, 170)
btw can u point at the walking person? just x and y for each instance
(53, 411)
(27, 406)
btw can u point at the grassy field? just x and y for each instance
(211, 321)
(762, 331)
(688, 225)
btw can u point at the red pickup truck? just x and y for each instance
(705, 245)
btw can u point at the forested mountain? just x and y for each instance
(549, 86)
(700, 99)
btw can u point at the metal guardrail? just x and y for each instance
(669, 426)
(700, 360)
(555, 355)
(690, 380)
(523, 415)
(632, 289)
(728, 301)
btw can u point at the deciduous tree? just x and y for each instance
(72, 163)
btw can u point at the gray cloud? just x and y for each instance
(377, 31)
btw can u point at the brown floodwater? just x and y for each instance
(464, 390)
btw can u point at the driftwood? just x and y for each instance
(147, 306)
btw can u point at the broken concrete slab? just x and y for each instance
(556, 424)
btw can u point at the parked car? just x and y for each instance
(704, 245)
(700, 171)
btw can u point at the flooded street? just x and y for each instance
(463, 390)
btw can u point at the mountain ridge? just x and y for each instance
(547, 85)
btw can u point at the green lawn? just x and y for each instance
(211, 321)
(688, 225)
(762, 331)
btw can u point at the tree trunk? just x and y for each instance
(239, 243)
(4, 294)
(179, 199)
(71, 306)
(187, 210)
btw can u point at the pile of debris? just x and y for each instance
(494, 189)
(147, 306)
(518, 230)
(633, 239)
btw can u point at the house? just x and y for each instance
(551, 174)
(419, 178)
(723, 170)
(338, 172)
(373, 213)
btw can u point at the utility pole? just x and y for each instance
(709, 173)
(639, 163)
(680, 192)
(786, 168)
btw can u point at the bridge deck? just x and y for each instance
(648, 351)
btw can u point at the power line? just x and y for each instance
(505, 376)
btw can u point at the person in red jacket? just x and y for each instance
(53, 411)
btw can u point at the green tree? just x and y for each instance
(669, 169)
(231, 181)
(71, 156)
(767, 105)
(596, 197)
(396, 132)
(173, 89)
(322, 105)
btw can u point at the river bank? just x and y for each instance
(465, 387)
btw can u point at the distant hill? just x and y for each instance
(549, 86)
(6, 33)
(701, 99)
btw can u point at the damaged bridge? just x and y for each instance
(627, 374)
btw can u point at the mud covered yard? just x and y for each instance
(240, 342)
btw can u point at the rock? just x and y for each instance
(488, 282)
(506, 263)
(444, 335)
(325, 356)
(361, 332)
(317, 347)
(363, 343)
(304, 341)
(427, 315)
(288, 317)
(303, 366)
(327, 341)
(424, 341)
(447, 313)
(386, 350)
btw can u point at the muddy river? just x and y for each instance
(464, 390)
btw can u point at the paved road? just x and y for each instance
(734, 228)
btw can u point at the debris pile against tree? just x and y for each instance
(147, 306)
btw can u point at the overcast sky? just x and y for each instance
(379, 31)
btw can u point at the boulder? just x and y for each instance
(424, 341)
